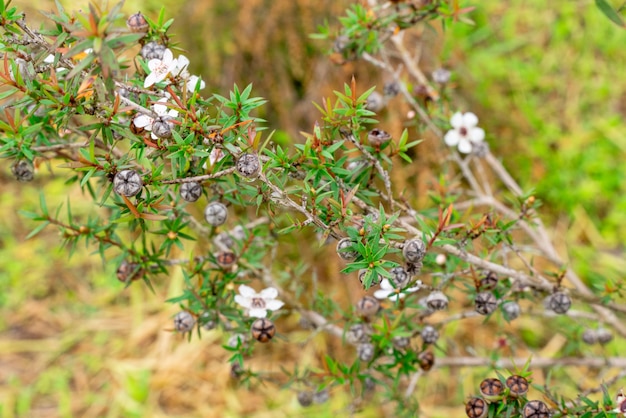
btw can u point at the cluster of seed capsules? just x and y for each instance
(497, 396)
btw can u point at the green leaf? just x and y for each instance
(610, 12)
(38, 229)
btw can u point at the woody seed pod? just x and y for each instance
(128, 271)
(491, 389)
(137, 23)
(249, 166)
(359, 333)
(184, 321)
(485, 303)
(305, 398)
(215, 213)
(225, 259)
(127, 183)
(263, 330)
(363, 272)
(401, 342)
(426, 360)
(377, 137)
(191, 191)
(476, 408)
(23, 170)
(365, 352)
(559, 302)
(153, 51)
(414, 250)
(399, 277)
(518, 386)
(391, 89)
(441, 76)
(604, 336)
(536, 409)
(347, 255)
(375, 102)
(321, 396)
(429, 334)
(437, 301)
(368, 306)
(511, 310)
(489, 281)
(161, 127)
(590, 336)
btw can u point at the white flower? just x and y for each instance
(216, 155)
(193, 81)
(257, 304)
(464, 132)
(182, 63)
(388, 291)
(145, 121)
(159, 69)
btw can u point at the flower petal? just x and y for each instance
(269, 293)
(382, 294)
(143, 121)
(476, 134)
(168, 58)
(257, 313)
(150, 80)
(153, 64)
(470, 120)
(457, 120)
(465, 146)
(274, 304)
(394, 296)
(452, 137)
(247, 291)
(243, 301)
(385, 284)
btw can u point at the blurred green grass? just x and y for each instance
(546, 84)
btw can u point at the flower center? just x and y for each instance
(162, 69)
(463, 131)
(258, 303)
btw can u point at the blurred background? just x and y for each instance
(547, 86)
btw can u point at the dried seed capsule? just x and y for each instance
(426, 360)
(263, 330)
(216, 213)
(429, 334)
(401, 343)
(377, 137)
(489, 281)
(208, 321)
(391, 88)
(441, 76)
(590, 336)
(249, 166)
(414, 250)
(161, 127)
(127, 183)
(476, 408)
(414, 268)
(305, 398)
(348, 255)
(184, 321)
(321, 396)
(491, 389)
(511, 310)
(375, 102)
(23, 170)
(437, 301)
(365, 352)
(236, 370)
(518, 386)
(225, 259)
(368, 306)
(137, 23)
(604, 336)
(359, 333)
(399, 277)
(191, 191)
(363, 272)
(485, 303)
(340, 43)
(128, 271)
(153, 51)
(559, 302)
(236, 340)
(536, 409)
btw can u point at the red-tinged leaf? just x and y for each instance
(131, 207)
(452, 226)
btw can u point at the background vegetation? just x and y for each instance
(545, 83)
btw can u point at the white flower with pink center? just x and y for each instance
(257, 304)
(387, 291)
(159, 69)
(464, 132)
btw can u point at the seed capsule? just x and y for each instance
(518, 386)
(489, 281)
(184, 321)
(249, 166)
(153, 51)
(391, 89)
(368, 306)
(348, 255)
(426, 360)
(399, 277)
(225, 259)
(511, 310)
(604, 336)
(485, 303)
(401, 343)
(216, 213)
(321, 396)
(263, 330)
(359, 333)
(363, 272)
(429, 334)
(476, 408)
(375, 102)
(191, 191)
(414, 250)
(161, 127)
(377, 137)
(559, 302)
(365, 352)
(305, 398)
(128, 271)
(23, 170)
(127, 183)
(437, 301)
(491, 389)
(590, 336)
(137, 23)
(536, 409)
